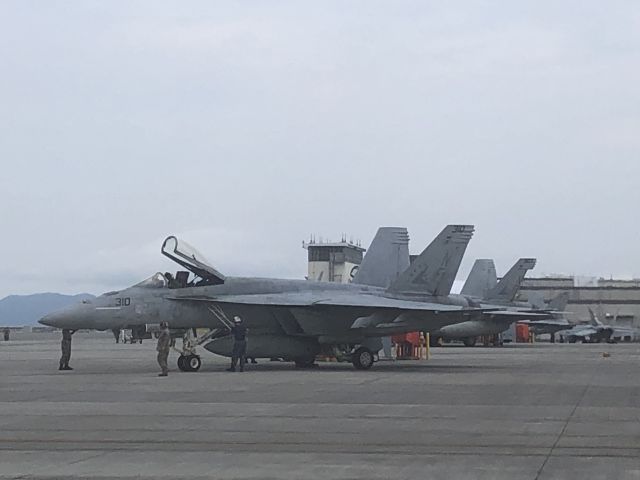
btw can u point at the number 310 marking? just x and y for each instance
(123, 302)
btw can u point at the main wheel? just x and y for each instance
(362, 358)
(469, 341)
(193, 363)
(435, 341)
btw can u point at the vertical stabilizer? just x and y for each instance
(594, 319)
(435, 269)
(481, 279)
(387, 257)
(508, 286)
(559, 302)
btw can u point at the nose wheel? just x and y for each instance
(189, 363)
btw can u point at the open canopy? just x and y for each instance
(185, 255)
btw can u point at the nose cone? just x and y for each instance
(56, 319)
(70, 318)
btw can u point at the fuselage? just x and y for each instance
(151, 302)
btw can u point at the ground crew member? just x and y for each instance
(164, 344)
(239, 332)
(117, 333)
(66, 349)
(6, 334)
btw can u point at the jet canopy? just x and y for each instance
(157, 280)
(188, 257)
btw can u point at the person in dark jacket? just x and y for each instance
(239, 332)
(66, 349)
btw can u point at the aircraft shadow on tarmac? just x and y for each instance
(383, 367)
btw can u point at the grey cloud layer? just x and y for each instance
(249, 126)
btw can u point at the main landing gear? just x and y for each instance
(305, 362)
(363, 358)
(469, 341)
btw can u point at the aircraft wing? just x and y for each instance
(510, 316)
(583, 332)
(548, 323)
(341, 315)
(308, 299)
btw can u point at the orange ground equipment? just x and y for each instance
(411, 346)
(522, 333)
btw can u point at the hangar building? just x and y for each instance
(615, 302)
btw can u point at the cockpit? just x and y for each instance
(167, 280)
(157, 280)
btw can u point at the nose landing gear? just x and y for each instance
(189, 360)
(189, 363)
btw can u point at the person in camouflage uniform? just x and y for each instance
(66, 349)
(164, 344)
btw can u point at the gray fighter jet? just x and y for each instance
(482, 282)
(594, 332)
(292, 319)
(483, 286)
(501, 294)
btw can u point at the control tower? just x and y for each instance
(333, 261)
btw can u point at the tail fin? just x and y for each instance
(594, 318)
(435, 269)
(508, 286)
(559, 302)
(387, 257)
(481, 279)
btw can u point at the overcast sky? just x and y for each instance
(244, 127)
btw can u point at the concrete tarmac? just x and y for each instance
(518, 412)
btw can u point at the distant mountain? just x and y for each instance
(17, 310)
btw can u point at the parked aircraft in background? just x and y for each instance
(593, 332)
(552, 325)
(389, 254)
(483, 293)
